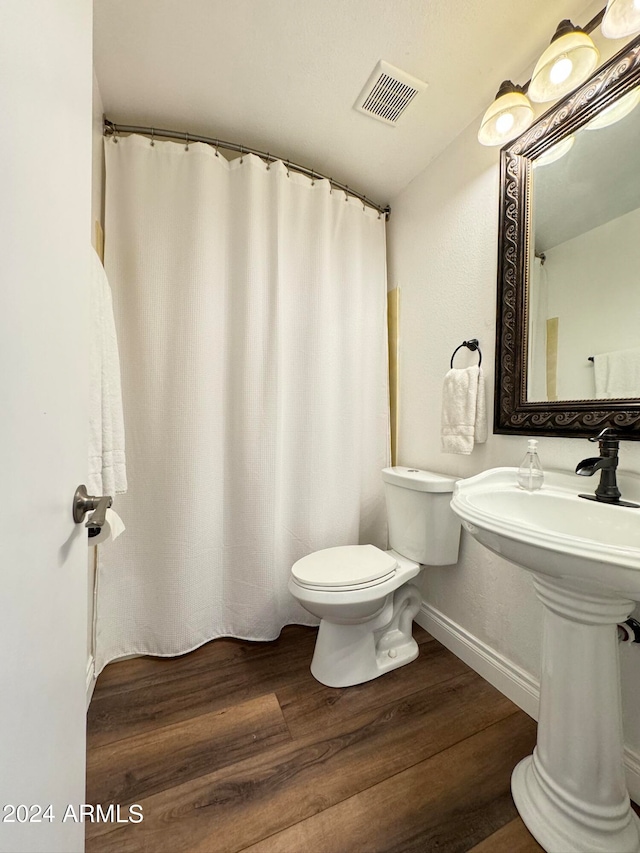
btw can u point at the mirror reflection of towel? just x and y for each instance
(464, 410)
(617, 374)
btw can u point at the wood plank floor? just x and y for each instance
(236, 747)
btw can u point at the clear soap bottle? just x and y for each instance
(530, 473)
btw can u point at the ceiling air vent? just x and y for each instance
(388, 93)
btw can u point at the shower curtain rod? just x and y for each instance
(113, 129)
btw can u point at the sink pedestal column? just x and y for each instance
(571, 793)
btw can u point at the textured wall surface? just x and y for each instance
(97, 159)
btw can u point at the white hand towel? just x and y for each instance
(107, 464)
(617, 374)
(464, 411)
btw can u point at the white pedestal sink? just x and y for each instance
(585, 560)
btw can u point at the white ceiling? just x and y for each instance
(283, 75)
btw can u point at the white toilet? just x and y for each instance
(362, 594)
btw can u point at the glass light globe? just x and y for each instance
(621, 19)
(507, 117)
(567, 62)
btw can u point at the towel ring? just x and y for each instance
(472, 345)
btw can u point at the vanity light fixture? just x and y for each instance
(565, 64)
(618, 110)
(507, 117)
(568, 61)
(621, 19)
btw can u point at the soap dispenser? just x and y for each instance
(530, 474)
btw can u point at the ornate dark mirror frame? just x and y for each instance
(513, 414)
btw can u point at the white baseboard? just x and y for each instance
(511, 680)
(632, 769)
(91, 679)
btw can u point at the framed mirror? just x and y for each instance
(568, 318)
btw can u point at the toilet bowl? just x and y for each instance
(362, 594)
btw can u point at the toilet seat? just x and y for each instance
(347, 567)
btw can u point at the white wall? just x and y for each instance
(593, 290)
(97, 159)
(443, 255)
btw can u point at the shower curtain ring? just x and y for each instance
(217, 146)
(288, 168)
(152, 139)
(313, 178)
(346, 194)
(115, 134)
(268, 162)
(241, 155)
(186, 147)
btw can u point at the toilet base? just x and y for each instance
(345, 655)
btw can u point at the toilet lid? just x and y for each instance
(346, 565)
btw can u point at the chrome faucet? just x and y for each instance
(607, 491)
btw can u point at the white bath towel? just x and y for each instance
(464, 410)
(617, 374)
(107, 465)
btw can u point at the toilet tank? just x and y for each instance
(422, 525)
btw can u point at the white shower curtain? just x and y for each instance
(251, 313)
